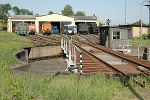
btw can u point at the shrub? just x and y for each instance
(145, 36)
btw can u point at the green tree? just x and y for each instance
(148, 35)
(80, 13)
(67, 11)
(139, 23)
(25, 12)
(50, 12)
(4, 11)
(16, 10)
(100, 24)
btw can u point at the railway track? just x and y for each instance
(117, 63)
(130, 60)
(41, 40)
(97, 58)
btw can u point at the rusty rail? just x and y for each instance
(121, 73)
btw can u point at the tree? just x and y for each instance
(139, 23)
(50, 12)
(25, 12)
(16, 10)
(67, 10)
(4, 11)
(80, 13)
(7, 7)
(100, 24)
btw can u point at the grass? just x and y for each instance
(2, 25)
(134, 42)
(29, 87)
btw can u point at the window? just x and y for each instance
(116, 35)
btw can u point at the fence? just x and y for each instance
(121, 45)
(141, 50)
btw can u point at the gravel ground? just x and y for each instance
(50, 66)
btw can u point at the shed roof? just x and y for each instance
(84, 17)
(34, 17)
(23, 16)
(133, 26)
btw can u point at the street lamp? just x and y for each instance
(141, 21)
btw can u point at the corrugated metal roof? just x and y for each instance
(84, 17)
(23, 16)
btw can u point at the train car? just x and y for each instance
(94, 30)
(22, 28)
(32, 29)
(83, 28)
(70, 29)
(55, 30)
(47, 28)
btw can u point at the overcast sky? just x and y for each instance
(103, 9)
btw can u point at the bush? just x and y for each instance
(145, 36)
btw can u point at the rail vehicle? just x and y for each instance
(70, 29)
(83, 28)
(25, 28)
(93, 30)
(22, 28)
(47, 28)
(55, 30)
(32, 29)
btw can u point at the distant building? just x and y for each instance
(134, 30)
(55, 19)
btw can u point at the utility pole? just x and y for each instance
(141, 21)
(125, 12)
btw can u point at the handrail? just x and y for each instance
(71, 52)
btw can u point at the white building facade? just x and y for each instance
(55, 19)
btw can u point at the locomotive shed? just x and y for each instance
(55, 19)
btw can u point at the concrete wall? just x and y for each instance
(136, 31)
(45, 51)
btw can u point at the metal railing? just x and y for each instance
(73, 53)
(140, 47)
(121, 45)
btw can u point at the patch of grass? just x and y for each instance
(12, 41)
(134, 42)
(2, 25)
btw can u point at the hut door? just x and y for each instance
(103, 37)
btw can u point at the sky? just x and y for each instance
(104, 9)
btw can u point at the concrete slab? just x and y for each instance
(50, 66)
